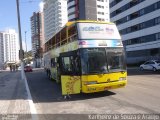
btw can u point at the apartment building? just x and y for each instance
(37, 32)
(9, 47)
(1, 50)
(139, 24)
(88, 10)
(55, 16)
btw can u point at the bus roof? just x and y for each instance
(87, 21)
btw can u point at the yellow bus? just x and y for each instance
(86, 56)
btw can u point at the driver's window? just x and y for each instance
(67, 68)
(70, 65)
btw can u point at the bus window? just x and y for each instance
(72, 33)
(116, 60)
(53, 62)
(70, 64)
(93, 60)
(75, 61)
(66, 65)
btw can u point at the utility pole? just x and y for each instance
(21, 52)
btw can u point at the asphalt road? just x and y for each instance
(141, 95)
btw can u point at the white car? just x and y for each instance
(151, 65)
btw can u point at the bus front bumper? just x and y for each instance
(103, 87)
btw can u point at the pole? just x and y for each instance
(20, 40)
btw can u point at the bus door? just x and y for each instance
(54, 69)
(70, 75)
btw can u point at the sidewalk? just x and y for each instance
(13, 94)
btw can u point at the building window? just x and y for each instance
(101, 19)
(100, 6)
(101, 13)
(134, 15)
(157, 36)
(157, 20)
(143, 39)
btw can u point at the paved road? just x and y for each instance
(13, 95)
(141, 95)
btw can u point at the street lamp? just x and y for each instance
(21, 52)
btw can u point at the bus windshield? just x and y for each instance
(116, 60)
(102, 60)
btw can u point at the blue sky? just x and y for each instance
(8, 16)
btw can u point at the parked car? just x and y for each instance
(151, 65)
(28, 69)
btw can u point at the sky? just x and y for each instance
(8, 16)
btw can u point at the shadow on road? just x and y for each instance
(44, 90)
(137, 71)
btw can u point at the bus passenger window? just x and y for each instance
(53, 62)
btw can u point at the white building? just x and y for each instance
(103, 10)
(139, 24)
(88, 9)
(55, 17)
(9, 47)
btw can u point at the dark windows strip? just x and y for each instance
(71, 13)
(143, 53)
(125, 7)
(140, 26)
(143, 39)
(139, 13)
(71, 6)
(70, 1)
(114, 3)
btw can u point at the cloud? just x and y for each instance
(41, 4)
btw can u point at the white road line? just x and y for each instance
(31, 104)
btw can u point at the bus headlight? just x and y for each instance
(90, 83)
(122, 78)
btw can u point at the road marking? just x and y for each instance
(30, 100)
